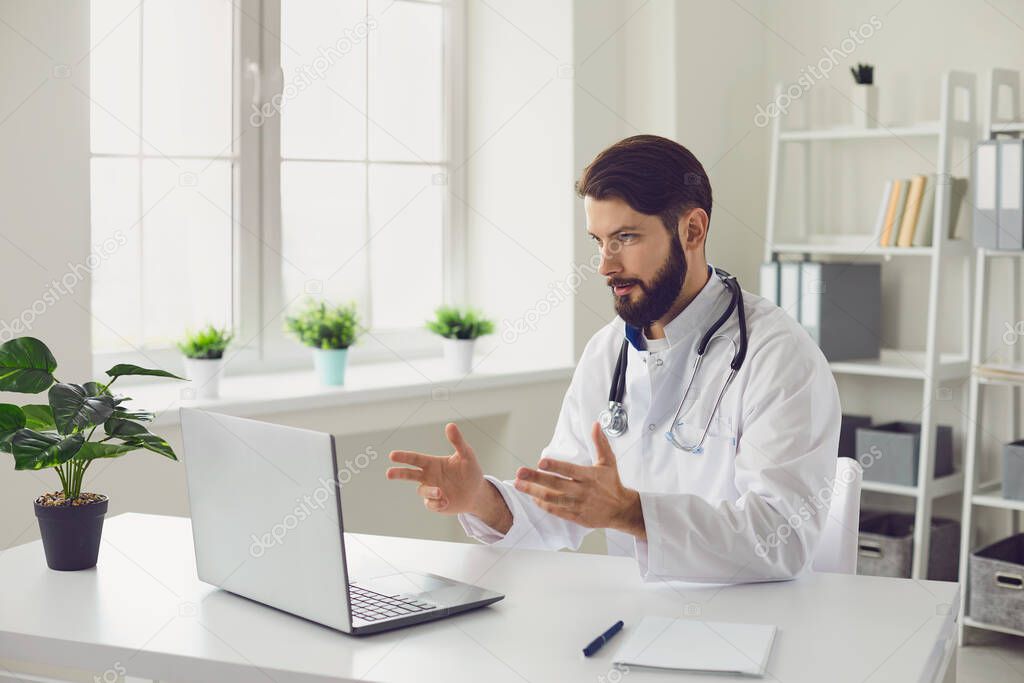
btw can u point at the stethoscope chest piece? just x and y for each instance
(613, 419)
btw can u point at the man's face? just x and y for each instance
(643, 263)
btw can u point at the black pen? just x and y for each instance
(599, 642)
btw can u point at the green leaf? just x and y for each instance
(35, 450)
(122, 369)
(137, 436)
(39, 417)
(93, 449)
(152, 442)
(11, 420)
(144, 415)
(26, 366)
(73, 407)
(121, 428)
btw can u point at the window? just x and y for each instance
(248, 155)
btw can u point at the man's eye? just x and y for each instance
(626, 236)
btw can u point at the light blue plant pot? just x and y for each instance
(330, 365)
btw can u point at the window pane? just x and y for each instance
(186, 247)
(114, 258)
(406, 51)
(187, 83)
(323, 59)
(114, 76)
(323, 233)
(406, 248)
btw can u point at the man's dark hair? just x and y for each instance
(654, 175)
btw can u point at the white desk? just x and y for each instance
(143, 612)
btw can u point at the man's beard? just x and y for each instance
(656, 298)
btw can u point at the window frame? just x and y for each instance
(261, 344)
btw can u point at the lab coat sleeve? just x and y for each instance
(787, 444)
(532, 527)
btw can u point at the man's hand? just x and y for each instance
(453, 483)
(592, 496)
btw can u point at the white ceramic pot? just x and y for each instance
(205, 374)
(865, 106)
(458, 355)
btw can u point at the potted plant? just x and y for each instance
(865, 96)
(329, 330)
(458, 329)
(204, 359)
(60, 434)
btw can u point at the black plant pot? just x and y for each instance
(71, 534)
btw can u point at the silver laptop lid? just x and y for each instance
(266, 515)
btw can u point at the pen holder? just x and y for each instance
(865, 106)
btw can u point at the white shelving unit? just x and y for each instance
(930, 367)
(987, 494)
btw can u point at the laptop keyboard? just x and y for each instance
(370, 606)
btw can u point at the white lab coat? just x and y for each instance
(752, 506)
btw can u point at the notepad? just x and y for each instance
(690, 645)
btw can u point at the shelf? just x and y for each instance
(969, 621)
(943, 486)
(999, 381)
(995, 253)
(1008, 127)
(851, 250)
(990, 496)
(903, 365)
(926, 129)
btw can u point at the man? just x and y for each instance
(750, 504)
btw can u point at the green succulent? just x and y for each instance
(457, 323)
(325, 326)
(209, 342)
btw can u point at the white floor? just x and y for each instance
(991, 658)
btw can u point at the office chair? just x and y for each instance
(837, 548)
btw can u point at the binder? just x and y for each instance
(1011, 190)
(769, 281)
(789, 288)
(841, 308)
(986, 194)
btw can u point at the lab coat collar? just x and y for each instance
(689, 319)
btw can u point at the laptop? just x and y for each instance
(266, 514)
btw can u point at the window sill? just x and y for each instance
(261, 394)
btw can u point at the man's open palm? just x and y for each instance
(447, 483)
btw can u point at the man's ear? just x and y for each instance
(693, 228)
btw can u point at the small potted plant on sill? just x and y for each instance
(59, 434)
(458, 329)
(204, 359)
(329, 330)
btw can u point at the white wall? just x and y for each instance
(44, 205)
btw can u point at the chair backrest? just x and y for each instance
(837, 549)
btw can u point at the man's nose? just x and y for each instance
(609, 263)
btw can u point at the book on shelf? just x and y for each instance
(908, 222)
(1006, 371)
(894, 213)
(957, 192)
(883, 210)
(926, 218)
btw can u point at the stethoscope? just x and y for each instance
(613, 419)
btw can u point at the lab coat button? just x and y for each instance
(650, 427)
